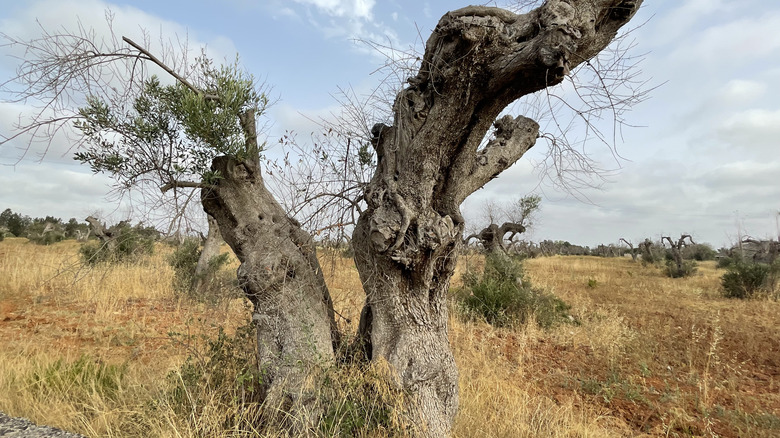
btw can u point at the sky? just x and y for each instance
(702, 155)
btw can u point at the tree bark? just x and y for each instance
(477, 61)
(281, 276)
(676, 249)
(492, 236)
(631, 247)
(98, 229)
(210, 250)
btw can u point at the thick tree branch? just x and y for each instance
(513, 138)
(184, 184)
(493, 237)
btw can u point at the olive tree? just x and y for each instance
(477, 61)
(520, 217)
(676, 267)
(430, 156)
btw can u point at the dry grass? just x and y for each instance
(651, 356)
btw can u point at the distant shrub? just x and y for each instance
(651, 253)
(130, 244)
(699, 252)
(504, 297)
(47, 238)
(208, 286)
(184, 258)
(745, 280)
(727, 261)
(687, 268)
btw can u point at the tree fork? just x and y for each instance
(477, 61)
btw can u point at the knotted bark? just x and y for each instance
(477, 61)
(492, 237)
(281, 276)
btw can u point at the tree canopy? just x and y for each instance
(171, 133)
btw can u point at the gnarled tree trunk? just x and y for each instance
(478, 60)
(676, 249)
(280, 274)
(492, 236)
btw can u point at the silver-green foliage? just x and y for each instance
(211, 285)
(504, 297)
(744, 279)
(170, 133)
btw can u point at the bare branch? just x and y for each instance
(184, 184)
(162, 65)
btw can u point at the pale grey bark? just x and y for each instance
(107, 236)
(493, 236)
(477, 61)
(99, 229)
(676, 249)
(210, 250)
(281, 276)
(631, 247)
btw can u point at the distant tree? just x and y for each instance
(632, 251)
(76, 230)
(5, 217)
(118, 243)
(15, 222)
(676, 266)
(45, 231)
(699, 252)
(762, 251)
(652, 252)
(520, 214)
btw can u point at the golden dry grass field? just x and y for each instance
(92, 351)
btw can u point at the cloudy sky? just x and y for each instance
(704, 158)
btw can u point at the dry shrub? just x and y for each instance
(746, 280)
(215, 284)
(504, 297)
(693, 356)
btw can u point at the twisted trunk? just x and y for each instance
(280, 274)
(676, 249)
(492, 236)
(478, 60)
(631, 247)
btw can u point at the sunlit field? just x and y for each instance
(96, 351)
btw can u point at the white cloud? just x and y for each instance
(354, 20)
(755, 131)
(731, 45)
(285, 12)
(740, 91)
(677, 23)
(343, 8)
(50, 189)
